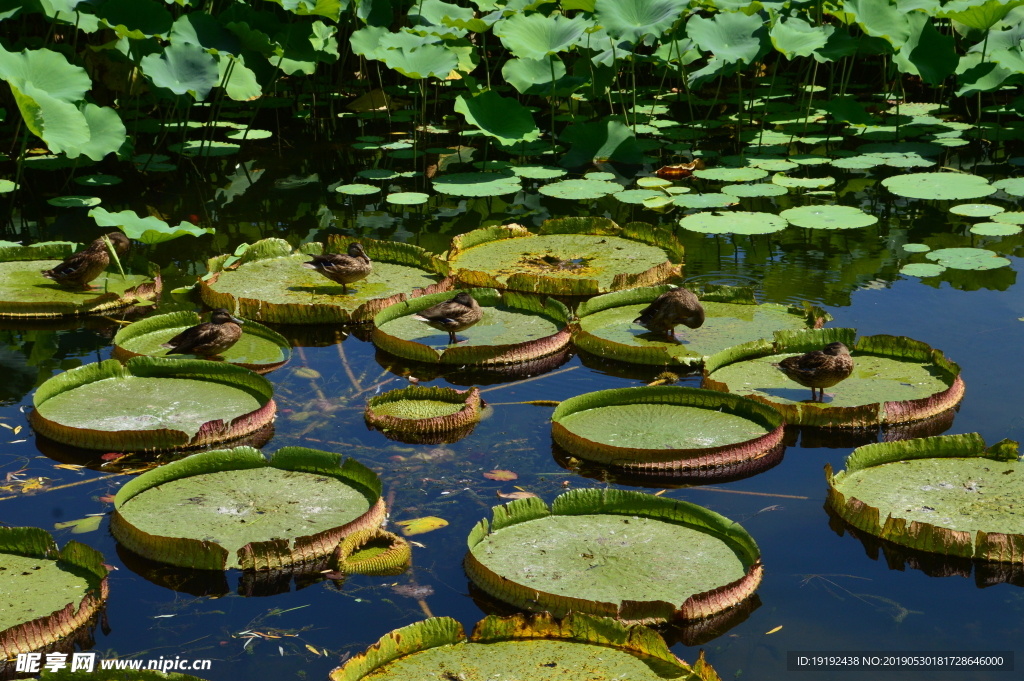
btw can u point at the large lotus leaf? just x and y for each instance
(880, 19)
(605, 140)
(499, 326)
(477, 184)
(534, 77)
(828, 217)
(632, 20)
(502, 118)
(535, 36)
(47, 71)
(939, 186)
(199, 28)
(136, 19)
(994, 229)
(60, 124)
(106, 133)
(148, 230)
(797, 38)
(734, 222)
(580, 189)
(968, 259)
(932, 54)
(240, 83)
(429, 60)
(440, 17)
(183, 69)
(731, 36)
(978, 14)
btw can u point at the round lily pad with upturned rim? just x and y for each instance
(428, 414)
(614, 553)
(373, 552)
(922, 269)
(994, 229)
(948, 494)
(152, 404)
(49, 593)
(895, 379)
(235, 508)
(269, 284)
(976, 210)
(259, 349)
(666, 429)
(569, 256)
(828, 217)
(939, 186)
(75, 201)
(733, 222)
(514, 328)
(580, 189)
(605, 325)
(537, 647)
(968, 259)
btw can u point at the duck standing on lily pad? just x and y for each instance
(81, 268)
(670, 309)
(343, 269)
(208, 339)
(456, 314)
(819, 369)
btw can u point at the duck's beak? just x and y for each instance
(236, 320)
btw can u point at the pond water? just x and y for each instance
(825, 590)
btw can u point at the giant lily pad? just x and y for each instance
(26, 293)
(666, 429)
(578, 647)
(895, 379)
(425, 414)
(947, 494)
(152, 403)
(732, 316)
(48, 593)
(514, 328)
(941, 186)
(269, 284)
(259, 349)
(569, 256)
(614, 553)
(235, 509)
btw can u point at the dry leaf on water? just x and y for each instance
(420, 525)
(501, 475)
(516, 495)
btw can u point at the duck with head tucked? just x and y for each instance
(455, 314)
(819, 369)
(209, 339)
(669, 310)
(343, 269)
(82, 267)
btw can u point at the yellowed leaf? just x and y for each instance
(17, 429)
(69, 466)
(516, 495)
(420, 525)
(312, 649)
(773, 630)
(82, 525)
(660, 492)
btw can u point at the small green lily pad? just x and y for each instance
(750, 191)
(994, 229)
(357, 189)
(251, 134)
(75, 201)
(1010, 218)
(733, 222)
(1014, 186)
(922, 269)
(98, 180)
(939, 186)
(802, 182)
(968, 259)
(408, 198)
(377, 174)
(976, 210)
(539, 172)
(702, 201)
(828, 217)
(580, 189)
(653, 182)
(916, 248)
(637, 196)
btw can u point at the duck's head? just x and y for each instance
(119, 241)
(463, 298)
(222, 316)
(355, 250)
(696, 320)
(836, 349)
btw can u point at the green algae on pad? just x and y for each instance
(425, 414)
(46, 594)
(538, 647)
(939, 186)
(514, 328)
(614, 553)
(569, 256)
(152, 403)
(947, 494)
(268, 282)
(895, 379)
(235, 509)
(259, 349)
(733, 222)
(828, 217)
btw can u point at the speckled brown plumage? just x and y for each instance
(670, 309)
(209, 339)
(343, 269)
(455, 314)
(84, 266)
(819, 369)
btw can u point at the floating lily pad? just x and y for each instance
(204, 148)
(259, 349)
(153, 404)
(968, 259)
(614, 553)
(514, 328)
(26, 293)
(252, 134)
(477, 184)
(235, 509)
(754, 190)
(916, 248)
(580, 189)
(731, 174)
(75, 201)
(994, 229)
(48, 593)
(939, 186)
(636, 196)
(710, 200)
(539, 648)
(922, 269)
(784, 180)
(428, 414)
(408, 198)
(732, 316)
(895, 379)
(570, 256)
(976, 210)
(947, 494)
(828, 217)
(269, 284)
(1014, 186)
(539, 172)
(733, 222)
(652, 182)
(377, 174)
(357, 189)
(1011, 218)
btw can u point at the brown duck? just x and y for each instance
(455, 314)
(671, 308)
(84, 266)
(819, 369)
(343, 269)
(209, 339)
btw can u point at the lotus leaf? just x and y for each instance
(636, 196)
(148, 230)
(828, 217)
(652, 182)
(539, 172)
(502, 118)
(976, 210)
(408, 198)
(1012, 186)
(75, 201)
(377, 174)
(535, 36)
(731, 174)
(731, 36)
(994, 229)
(744, 191)
(182, 68)
(733, 222)
(968, 259)
(922, 269)
(580, 189)
(1012, 218)
(357, 189)
(702, 201)
(803, 182)
(939, 186)
(916, 248)
(477, 184)
(603, 140)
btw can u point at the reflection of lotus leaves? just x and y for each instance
(828, 217)
(735, 222)
(940, 186)
(968, 259)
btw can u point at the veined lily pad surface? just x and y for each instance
(614, 553)
(895, 379)
(26, 293)
(152, 404)
(425, 414)
(515, 328)
(268, 282)
(569, 256)
(259, 349)
(46, 594)
(732, 316)
(947, 494)
(666, 429)
(236, 509)
(578, 647)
